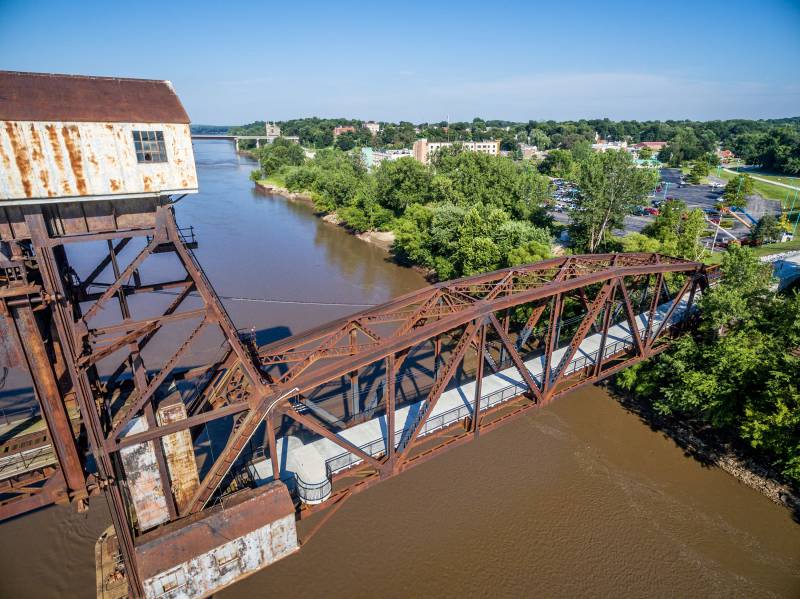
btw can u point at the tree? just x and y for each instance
(699, 171)
(739, 370)
(539, 138)
(645, 153)
(493, 181)
(528, 253)
(346, 141)
(477, 251)
(768, 229)
(678, 231)
(557, 163)
(402, 182)
(737, 190)
(279, 153)
(610, 187)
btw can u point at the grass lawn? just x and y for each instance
(777, 248)
(274, 179)
(785, 179)
(770, 192)
(764, 250)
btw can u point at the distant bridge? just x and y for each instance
(234, 138)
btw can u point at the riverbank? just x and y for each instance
(382, 239)
(713, 447)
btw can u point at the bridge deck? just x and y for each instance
(312, 464)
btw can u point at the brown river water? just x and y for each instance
(581, 498)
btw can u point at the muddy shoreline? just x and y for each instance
(715, 448)
(382, 239)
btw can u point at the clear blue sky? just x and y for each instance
(234, 62)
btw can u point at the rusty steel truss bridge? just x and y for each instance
(122, 358)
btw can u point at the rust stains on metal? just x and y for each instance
(55, 144)
(89, 159)
(73, 98)
(36, 144)
(21, 158)
(72, 139)
(4, 158)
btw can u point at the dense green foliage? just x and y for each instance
(676, 231)
(741, 370)
(463, 214)
(768, 229)
(280, 153)
(737, 190)
(776, 149)
(611, 186)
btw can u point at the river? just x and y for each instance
(580, 498)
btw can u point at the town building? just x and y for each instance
(531, 152)
(273, 132)
(424, 149)
(602, 145)
(374, 128)
(725, 155)
(337, 131)
(656, 146)
(372, 157)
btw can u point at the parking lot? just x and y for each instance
(704, 197)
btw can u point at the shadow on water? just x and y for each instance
(272, 334)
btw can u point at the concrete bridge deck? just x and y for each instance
(310, 466)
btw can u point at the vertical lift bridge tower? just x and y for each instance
(104, 306)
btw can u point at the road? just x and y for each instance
(770, 181)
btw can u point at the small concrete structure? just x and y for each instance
(249, 530)
(144, 481)
(179, 453)
(785, 267)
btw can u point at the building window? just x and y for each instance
(169, 583)
(149, 146)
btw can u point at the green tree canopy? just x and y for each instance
(281, 152)
(610, 187)
(402, 182)
(737, 190)
(741, 370)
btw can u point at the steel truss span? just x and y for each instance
(329, 412)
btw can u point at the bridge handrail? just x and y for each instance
(346, 460)
(318, 492)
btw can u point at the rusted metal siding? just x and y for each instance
(144, 481)
(69, 160)
(179, 451)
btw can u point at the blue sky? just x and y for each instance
(234, 62)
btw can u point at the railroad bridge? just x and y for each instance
(206, 465)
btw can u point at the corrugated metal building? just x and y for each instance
(74, 138)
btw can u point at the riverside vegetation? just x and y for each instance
(467, 213)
